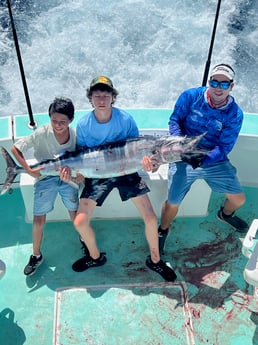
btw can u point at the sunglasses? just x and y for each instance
(224, 85)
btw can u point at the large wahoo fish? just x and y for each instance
(110, 160)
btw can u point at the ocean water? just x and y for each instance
(151, 49)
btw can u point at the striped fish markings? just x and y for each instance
(110, 160)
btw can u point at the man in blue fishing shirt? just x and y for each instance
(213, 110)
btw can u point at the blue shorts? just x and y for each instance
(45, 193)
(221, 177)
(129, 186)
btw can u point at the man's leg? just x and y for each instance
(227, 213)
(37, 233)
(36, 258)
(87, 234)
(168, 213)
(82, 225)
(233, 202)
(153, 261)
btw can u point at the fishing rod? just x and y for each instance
(208, 62)
(32, 124)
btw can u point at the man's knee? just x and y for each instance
(150, 219)
(237, 199)
(80, 221)
(169, 207)
(242, 199)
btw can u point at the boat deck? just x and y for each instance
(123, 302)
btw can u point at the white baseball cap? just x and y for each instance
(225, 70)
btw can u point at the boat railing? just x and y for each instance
(250, 250)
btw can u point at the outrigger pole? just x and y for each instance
(32, 124)
(208, 62)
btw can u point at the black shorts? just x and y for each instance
(129, 186)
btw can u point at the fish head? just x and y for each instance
(170, 148)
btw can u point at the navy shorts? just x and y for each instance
(129, 186)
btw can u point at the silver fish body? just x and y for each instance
(111, 160)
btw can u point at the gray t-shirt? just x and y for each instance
(44, 143)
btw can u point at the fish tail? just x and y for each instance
(12, 169)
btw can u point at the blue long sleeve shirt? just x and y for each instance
(193, 116)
